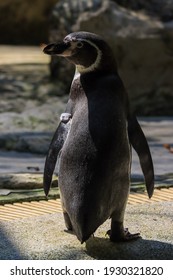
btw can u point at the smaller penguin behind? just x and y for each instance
(93, 141)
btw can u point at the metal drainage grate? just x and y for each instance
(23, 210)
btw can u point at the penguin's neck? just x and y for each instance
(76, 75)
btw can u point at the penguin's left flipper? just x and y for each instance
(54, 150)
(139, 143)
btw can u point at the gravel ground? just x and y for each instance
(44, 237)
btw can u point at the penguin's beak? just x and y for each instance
(60, 49)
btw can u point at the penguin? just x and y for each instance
(93, 141)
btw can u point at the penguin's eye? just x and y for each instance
(79, 45)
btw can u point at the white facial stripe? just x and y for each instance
(81, 69)
(76, 75)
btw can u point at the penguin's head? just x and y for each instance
(88, 51)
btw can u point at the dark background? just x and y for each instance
(24, 22)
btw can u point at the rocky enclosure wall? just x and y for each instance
(141, 36)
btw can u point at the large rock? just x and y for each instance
(160, 8)
(142, 41)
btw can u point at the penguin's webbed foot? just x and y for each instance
(126, 236)
(130, 236)
(70, 231)
(118, 233)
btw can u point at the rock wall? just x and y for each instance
(141, 36)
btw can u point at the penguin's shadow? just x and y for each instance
(141, 249)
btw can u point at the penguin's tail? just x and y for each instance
(82, 232)
(84, 225)
(139, 143)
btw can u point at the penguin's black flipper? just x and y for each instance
(54, 149)
(139, 143)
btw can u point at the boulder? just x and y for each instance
(141, 36)
(159, 8)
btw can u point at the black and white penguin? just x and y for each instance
(93, 141)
